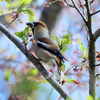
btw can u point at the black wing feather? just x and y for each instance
(54, 51)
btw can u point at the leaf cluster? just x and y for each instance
(62, 45)
(23, 34)
(84, 50)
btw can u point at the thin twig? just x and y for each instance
(89, 2)
(97, 65)
(9, 12)
(16, 16)
(97, 34)
(68, 3)
(81, 64)
(12, 20)
(97, 75)
(95, 12)
(82, 6)
(75, 6)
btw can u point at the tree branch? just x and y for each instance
(97, 75)
(9, 12)
(68, 3)
(75, 6)
(96, 34)
(82, 6)
(97, 65)
(92, 78)
(12, 20)
(38, 65)
(95, 12)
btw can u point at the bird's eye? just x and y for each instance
(36, 24)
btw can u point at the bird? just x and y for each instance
(44, 48)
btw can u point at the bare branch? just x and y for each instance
(97, 75)
(92, 69)
(82, 6)
(9, 12)
(16, 16)
(90, 2)
(35, 62)
(87, 6)
(95, 12)
(81, 65)
(12, 20)
(97, 65)
(96, 34)
(68, 3)
(75, 6)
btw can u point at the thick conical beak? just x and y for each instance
(30, 24)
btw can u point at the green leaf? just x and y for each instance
(8, 1)
(89, 98)
(69, 42)
(70, 81)
(99, 98)
(86, 50)
(31, 18)
(63, 67)
(26, 85)
(81, 57)
(27, 28)
(64, 49)
(25, 33)
(1, 1)
(19, 34)
(8, 6)
(30, 12)
(21, 8)
(63, 42)
(66, 36)
(7, 75)
(0, 7)
(56, 38)
(25, 1)
(23, 38)
(33, 71)
(68, 98)
(81, 46)
(22, 34)
(66, 42)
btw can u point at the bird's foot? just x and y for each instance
(59, 80)
(39, 60)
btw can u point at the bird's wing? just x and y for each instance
(49, 45)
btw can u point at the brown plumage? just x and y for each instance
(42, 24)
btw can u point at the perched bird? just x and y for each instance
(44, 47)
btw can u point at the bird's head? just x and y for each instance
(39, 29)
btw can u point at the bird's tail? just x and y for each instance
(62, 57)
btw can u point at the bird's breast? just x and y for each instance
(44, 55)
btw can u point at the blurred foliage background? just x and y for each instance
(19, 79)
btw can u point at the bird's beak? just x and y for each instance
(30, 24)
